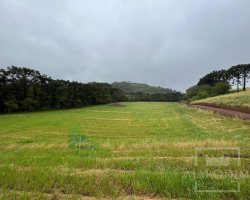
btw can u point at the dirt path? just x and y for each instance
(225, 112)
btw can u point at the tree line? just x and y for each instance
(219, 82)
(171, 96)
(24, 89)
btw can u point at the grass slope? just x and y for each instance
(236, 99)
(141, 150)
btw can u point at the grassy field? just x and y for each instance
(236, 99)
(135, 151)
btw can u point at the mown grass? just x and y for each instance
(236, 99)
(143, 150)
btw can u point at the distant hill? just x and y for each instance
(129, 87)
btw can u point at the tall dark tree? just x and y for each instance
(214, 77)
(245, 74)
(235, 75)
(3, 83)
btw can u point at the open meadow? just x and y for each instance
(127, 151)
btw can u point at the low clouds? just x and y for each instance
(160, 42)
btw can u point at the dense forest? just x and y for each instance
(25, 89)
(220, 82)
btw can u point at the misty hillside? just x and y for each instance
(129, 87)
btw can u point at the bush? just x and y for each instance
(203, 91)
(202, 94)
(192, 91)
(221, 88)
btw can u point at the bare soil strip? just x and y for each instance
(225, 112)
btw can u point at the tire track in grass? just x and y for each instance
(9, 194)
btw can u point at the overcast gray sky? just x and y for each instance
(159, 42)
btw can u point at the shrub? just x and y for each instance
(221, 88)
(202, 94)
(192, 91)
(203, 91)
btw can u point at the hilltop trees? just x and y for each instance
(218, 82)
(238, 75)
(144, 92)
(214, 77)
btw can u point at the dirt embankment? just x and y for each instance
(225, 110)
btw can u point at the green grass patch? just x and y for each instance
(138, 150)
(236, 99)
